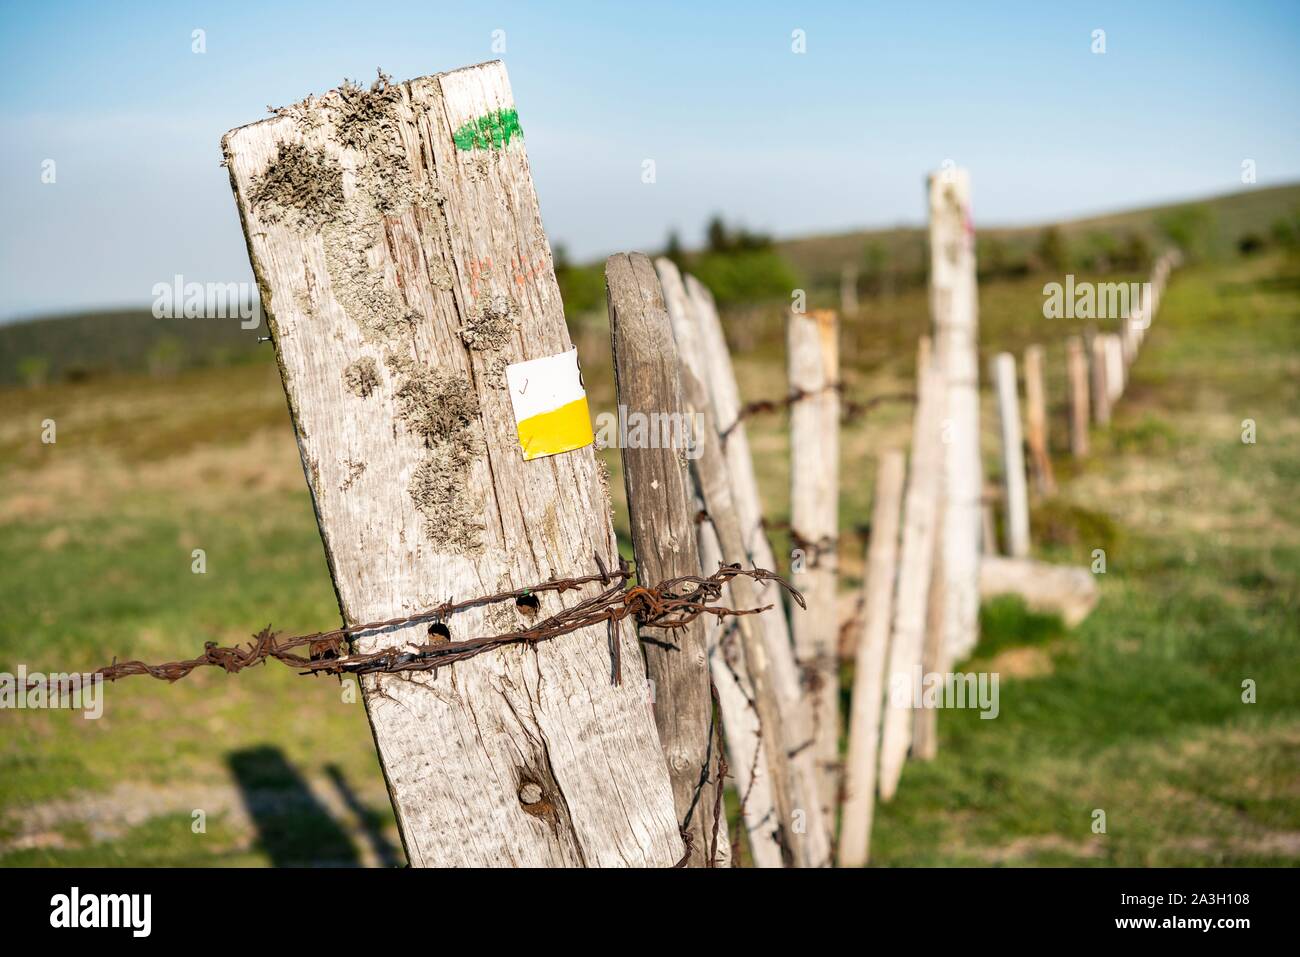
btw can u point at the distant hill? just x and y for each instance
(93, 343)
(84, 344)
(1227, 220)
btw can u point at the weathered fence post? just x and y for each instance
(1077, 374)
(1013, 456)
(739, 718)
(795, 706)
(869, 667)
(726, 657)
(662, 521)
(1036, 421)
(1100, 386)
(954, 307)
(794, 795)
(916, 561)
(988, 531)
(849, 291)
(396, 239)
(1114, 367)
(812, 352)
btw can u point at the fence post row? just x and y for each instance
(401, 274)
(662, 522)
(812, 353)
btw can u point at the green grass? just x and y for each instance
(1137, 712)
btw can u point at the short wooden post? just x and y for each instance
(396, 236)
(1077, 374)
(869, 667)
(1013, 456)
(1040, 457)
(662, 521)
(1114, 367)
(916, 561)
(813, 365)
(793, 786)
(954, 306)
(1100, 387)
(849, 291)
(795, 707)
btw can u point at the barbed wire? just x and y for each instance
(850, 409)
(673, 603)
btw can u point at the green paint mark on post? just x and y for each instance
(490, 131)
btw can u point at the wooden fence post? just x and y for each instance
(662, 521)
(1100, 387)
(1114, 367)
(1077, 373)
(849, 291)
(1036, 421)
(395, 235)
(954, 306)
(1013, 456)
(916, 561)
(812, 352)
(988, 531)
(792, 793)
(739, 718)
(726, 657)
(795, 706)
(869, 669)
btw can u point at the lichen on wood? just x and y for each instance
(361, 376)
(302, 188)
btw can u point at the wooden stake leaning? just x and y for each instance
(869, 669)
(662, 521)
(812, 352)
(916, 560)
(396, 239)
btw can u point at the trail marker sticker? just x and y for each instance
(550, 405)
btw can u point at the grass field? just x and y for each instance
(1138, 712)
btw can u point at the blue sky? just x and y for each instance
(836, 138)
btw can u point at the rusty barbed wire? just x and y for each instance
(665, 605)
(850, 409)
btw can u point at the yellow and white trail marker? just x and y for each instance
(550, 405)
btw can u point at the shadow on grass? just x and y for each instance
(293, 827)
